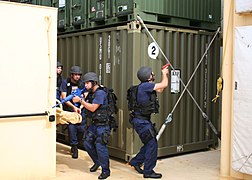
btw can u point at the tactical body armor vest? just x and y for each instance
(104, 112)
(144, 109)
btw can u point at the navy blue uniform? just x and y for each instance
(145, 129)
(97, 136)
(74, 130)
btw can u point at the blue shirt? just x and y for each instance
(144, 92)
(68, 87)
(100, 97)
(65, 85)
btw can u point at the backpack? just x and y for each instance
(112, 107)
(132, 98)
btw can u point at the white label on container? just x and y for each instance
(108, 68)
(100, 48)
(109, 46)
(62, 3)
(175, 82)
(125, 8)
(153, 50)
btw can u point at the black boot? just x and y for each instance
(137, 168)
(74, 151)
(153, 175)
(94, 167)
(103, 176)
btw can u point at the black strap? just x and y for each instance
(99, 123)
(139, 116)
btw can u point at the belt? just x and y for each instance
(139, 116)
(99, 123)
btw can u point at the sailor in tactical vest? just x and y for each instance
(75, 131)
(60, 79)
(97, 135)
(147, 104)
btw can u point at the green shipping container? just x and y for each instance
(193, 14)
(200, 14)
(116, 54)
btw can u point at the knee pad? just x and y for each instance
(147, 135)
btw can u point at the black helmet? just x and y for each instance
(59, 64)
(75, 70)
(90, 76)
(144, 73)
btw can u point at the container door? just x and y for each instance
(62, 15)
(78, 14)
(97, 10)
(124, 7)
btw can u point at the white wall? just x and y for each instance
(231, 21)
(28, 43)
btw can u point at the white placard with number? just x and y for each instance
(175, 83)
(153, 50)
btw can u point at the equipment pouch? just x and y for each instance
(147, 135)
(105, 138)
(112, 123)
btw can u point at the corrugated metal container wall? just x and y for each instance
(117, 53)
(203, 14)
(199, 14)
(77, 15)
(199, 10)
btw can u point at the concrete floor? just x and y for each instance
(194, 166)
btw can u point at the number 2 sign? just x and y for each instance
(153, 50)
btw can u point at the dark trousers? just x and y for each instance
(76, 132)
(95, 143)
(148, 152)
